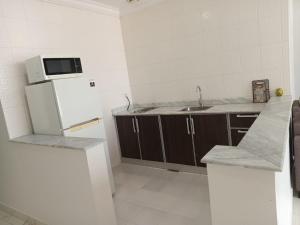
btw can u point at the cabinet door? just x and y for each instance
(178, 139)
(128, 137)
(149, 135)
(210, 130)
(237, 135)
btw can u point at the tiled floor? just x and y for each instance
(148, 196)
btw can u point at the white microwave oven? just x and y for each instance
(43, 68)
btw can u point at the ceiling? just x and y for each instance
(124, 6)
(114, 3)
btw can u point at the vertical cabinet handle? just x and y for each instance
(193, 126)
(137, 125)
(188, 126)
(133, 125)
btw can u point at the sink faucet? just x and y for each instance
(128, 100)
(198, 89)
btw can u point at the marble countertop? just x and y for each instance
(264, 145)
(59, 141)
(177, 110)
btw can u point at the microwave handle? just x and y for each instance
(77, 66)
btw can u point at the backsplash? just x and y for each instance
(221, 45)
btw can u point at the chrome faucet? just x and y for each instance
(198, 89)
(129, 102)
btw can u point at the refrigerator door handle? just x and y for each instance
(83, 125)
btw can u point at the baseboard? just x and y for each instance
(13, 212)
(168, 166)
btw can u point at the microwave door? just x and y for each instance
(62, 66)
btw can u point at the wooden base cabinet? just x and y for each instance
(149, 137)
(209, 130)
(139, 137)
(240, 124)
(178, 142)
(179, 139)
(128, 138)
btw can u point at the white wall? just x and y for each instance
(32, 27)
(221, 45)
(296, 4)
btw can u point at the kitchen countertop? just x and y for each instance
(59, 141)
(176, 110)
(264, 145)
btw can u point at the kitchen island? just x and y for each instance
(250, 183)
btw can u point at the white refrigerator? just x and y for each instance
(68, 107)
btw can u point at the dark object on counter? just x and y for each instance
(261, 91)
(295, 147)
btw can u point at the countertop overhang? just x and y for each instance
(264, 145)
(74, 143)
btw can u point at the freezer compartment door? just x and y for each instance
(77, 101)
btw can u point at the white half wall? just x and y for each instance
(284, 191)
(250, 196)
(221, 45)
(241, 196)
(32, 27)
(55, 185)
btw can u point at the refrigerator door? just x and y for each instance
(93, 129)
(77, 101)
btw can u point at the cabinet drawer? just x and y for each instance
(244, 120)
(237, 135)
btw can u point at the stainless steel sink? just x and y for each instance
(196, 108)
(142, 110)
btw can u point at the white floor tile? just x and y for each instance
(148, 196)
(160, 197)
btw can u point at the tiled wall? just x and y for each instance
(221, 45)
(297, 46)
(32, 27)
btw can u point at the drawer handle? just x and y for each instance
(242, 131)
(247, 116)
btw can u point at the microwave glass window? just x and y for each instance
(61, 66)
